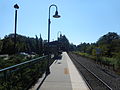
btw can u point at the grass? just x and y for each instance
(104, 60)
(85, 55)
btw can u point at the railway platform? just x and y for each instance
(63, 76)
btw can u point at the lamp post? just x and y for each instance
(16, 7)
(55, 16)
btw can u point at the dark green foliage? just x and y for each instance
(83, 47)
(24, 76)
(110, 44)
(21, 77)
(23, 44)
(7, 47)
(12, 60)
(72, 47)
(118, 60)
(109, 49)
(64, 42)
(37, 45)
(29, 45)
(1, 43)
(108, 38)
(41, 46)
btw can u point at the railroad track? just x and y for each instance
(92, 80)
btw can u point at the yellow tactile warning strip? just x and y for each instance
(66, 71)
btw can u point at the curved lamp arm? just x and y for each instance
(56, 13)
(50, 8)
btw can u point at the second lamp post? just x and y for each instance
(55, 16)
(16, 7)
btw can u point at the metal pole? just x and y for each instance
(16, 7)
(15, 31)
(48, 69)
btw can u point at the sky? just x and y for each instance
(81, 20)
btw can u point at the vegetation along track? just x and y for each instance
(92, 80)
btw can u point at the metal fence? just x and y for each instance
(23, 75)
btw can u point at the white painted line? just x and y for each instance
(77, 81)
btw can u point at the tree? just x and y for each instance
(64, 43)
(7, 47)
(1, 44)
(23, 44)
(72, 47)
(108, 38)
(37, 45)
(109, 42)
(83, 47)
(41, 45)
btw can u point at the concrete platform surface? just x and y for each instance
(63, 76)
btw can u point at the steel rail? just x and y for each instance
(83, 77)
(93, 74)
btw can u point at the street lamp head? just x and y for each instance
(56, 15)
(16, 6)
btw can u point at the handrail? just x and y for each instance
(7, 68)
(15, 76)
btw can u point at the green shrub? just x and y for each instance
(104, 60)
(118, 60)
(108, 60)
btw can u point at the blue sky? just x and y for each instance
(81, 20)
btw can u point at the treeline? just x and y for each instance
(108, 45)
(23, 44)
(107, 48)
(30, 45)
